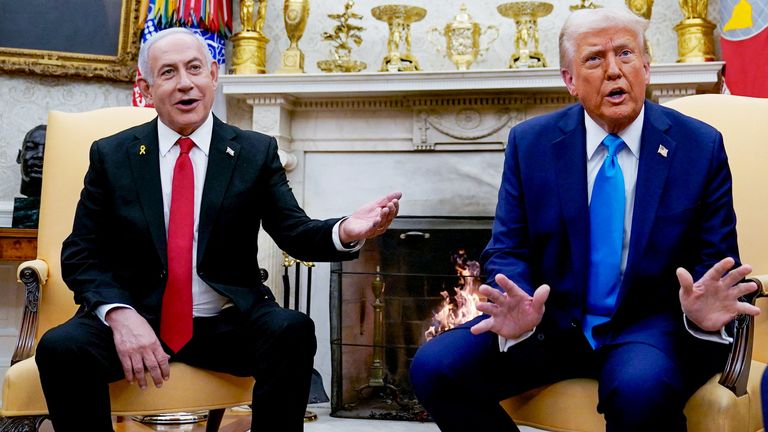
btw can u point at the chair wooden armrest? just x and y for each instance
(736, 372)
(33, 274)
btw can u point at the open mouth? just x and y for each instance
(616, 94)
(187, 102)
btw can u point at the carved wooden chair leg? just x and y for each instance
(21, 424)
(215, 417)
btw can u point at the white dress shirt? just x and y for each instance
(205, 300)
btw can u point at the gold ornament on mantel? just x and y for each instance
(695, 40)
(249, 46)
(295, 14)
(344, 34)
(462, 39)
(526, 15)
(642, 8)
(585, 4)
(399, 18)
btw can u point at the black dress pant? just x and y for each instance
(274, 345)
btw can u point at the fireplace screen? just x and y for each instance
(416, 280)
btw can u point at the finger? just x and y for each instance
(540, 296)
(125, 361)
(482, 327)
(718, 270)
(737, 275)
(510, 287)
(381, 202)
(744, 288)
(488, 308)
(685, 279)
(164, 363)
(151, 366)
(138, 370)
(748, 309)
(492, 294)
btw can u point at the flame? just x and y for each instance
(462, 306)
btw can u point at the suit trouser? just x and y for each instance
(460, 378)
(274, 345)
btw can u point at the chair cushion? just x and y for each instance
(189, 389)
(571, 406)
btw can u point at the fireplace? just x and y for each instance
(383, 304)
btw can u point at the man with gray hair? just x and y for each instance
(608, 212)
(162, 258)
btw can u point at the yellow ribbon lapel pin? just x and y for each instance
(142, 149)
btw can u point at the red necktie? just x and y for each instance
(176, 318)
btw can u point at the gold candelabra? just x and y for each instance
(295, 15)
(526, 15)
(462, 39)
(399, 18)
(695, 40)
(344, 34)
(249, 46)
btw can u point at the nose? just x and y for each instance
(185, 83)
(614, 70)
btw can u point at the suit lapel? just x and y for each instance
(569, 153)
(144, 156)
(222, 157)
(651, 178)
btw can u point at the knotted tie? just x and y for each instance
(606, 217)
(176, 318)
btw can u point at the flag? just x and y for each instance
(211, 19)
(744, 45)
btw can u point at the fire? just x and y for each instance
(462, 306)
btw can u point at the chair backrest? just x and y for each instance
(743, 121)
(67, 145)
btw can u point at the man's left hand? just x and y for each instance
(371, 219)
(713, 301)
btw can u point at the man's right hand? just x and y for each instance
(512, 313)
(138, 347)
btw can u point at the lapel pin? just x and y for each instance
(662, 150)
(143, 149)
(230, 151)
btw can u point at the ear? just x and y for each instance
(215, 73)
(568, 80)
(647, 68)
(145, 88)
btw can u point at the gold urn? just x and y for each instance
(399, 18)
(462, 39)
(249, 46)
(695, 33)
(295, 14)
(526, 15)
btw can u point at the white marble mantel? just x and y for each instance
(436, 136)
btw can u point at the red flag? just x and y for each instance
(744, 44)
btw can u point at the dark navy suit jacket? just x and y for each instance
(683, 216)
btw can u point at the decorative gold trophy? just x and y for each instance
(249, 46)
(295, 13)
(526, 15)
(343, 34)
(585, 4)
(399, 18)
(695, 42)
(462, 39)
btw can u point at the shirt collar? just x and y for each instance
(631, 134)
(167, 137)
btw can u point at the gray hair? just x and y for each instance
(587, 20)
(146, 71)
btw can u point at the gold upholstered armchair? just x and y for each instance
(729, 402)
(49, 301)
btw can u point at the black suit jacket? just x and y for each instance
(117, 250)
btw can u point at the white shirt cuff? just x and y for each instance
(721, 337)
(356, 246)
(505, 344)
(102, 310)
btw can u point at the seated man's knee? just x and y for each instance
(299, 331)
(640, 398)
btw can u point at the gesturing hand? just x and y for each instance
(713, 300)
(371, 219)
(512, 313)
(138, 347)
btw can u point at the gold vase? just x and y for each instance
(295, 14)
(399, 18)
(462, 39)
(526, 15)
(695, 39)
(249, 46)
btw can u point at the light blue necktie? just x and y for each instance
(606, 217)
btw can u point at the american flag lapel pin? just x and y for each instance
(230, 151)
(663, 151)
